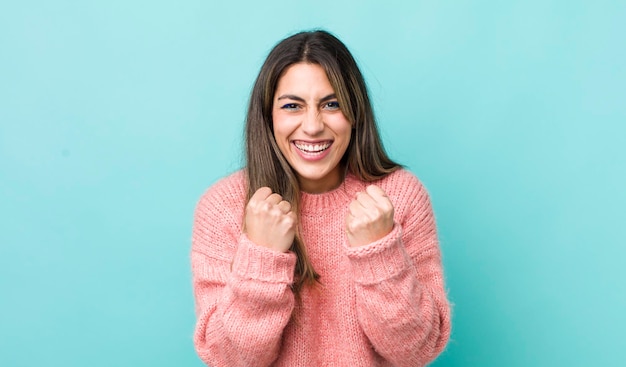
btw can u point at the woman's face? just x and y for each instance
(309, 127)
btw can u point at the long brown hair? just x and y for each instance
(266, 166)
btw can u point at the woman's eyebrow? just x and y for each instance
(328, 97)
(300, 99)
(290, 96)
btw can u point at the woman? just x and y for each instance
(322, 251)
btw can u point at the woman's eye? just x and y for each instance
(334, 105)
(290, 106)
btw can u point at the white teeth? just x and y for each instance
(312, 148)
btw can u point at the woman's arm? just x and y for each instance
(401, 300)
(242, 290)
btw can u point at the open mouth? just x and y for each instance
(312, 148)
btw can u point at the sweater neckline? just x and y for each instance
(329, 200)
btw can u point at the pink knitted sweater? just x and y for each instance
(382, 304)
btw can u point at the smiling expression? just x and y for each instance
(309, 127)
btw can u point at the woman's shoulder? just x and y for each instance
(405, 189)
(218, 216)
(401, 180)
(228, 191)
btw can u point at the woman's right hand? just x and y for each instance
(269, 221)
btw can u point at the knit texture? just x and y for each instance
(382, 304)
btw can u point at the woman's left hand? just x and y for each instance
(369, 217)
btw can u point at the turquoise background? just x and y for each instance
(116, 115)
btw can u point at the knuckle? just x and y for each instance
(387, 205)
(356, 223)
(275, 212)
(351, 227)
(373, 189)
(252, 208)
(263, 191)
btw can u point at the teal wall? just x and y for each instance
(116, 115)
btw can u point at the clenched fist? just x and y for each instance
(269, 221)
(369, 217)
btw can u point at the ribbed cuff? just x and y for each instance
(379, 260)
(260, 263)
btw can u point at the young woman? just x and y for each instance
(322, 251)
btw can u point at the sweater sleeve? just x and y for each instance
(401, 301)
(242, 290)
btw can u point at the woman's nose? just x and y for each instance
(312, 123)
